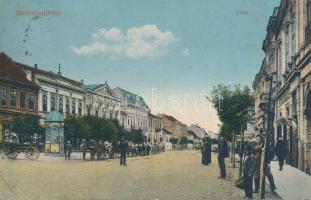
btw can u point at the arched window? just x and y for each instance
(80, 108)
(73, 107)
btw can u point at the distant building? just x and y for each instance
(174, 126)
(101, 101)
(134, 111)
(155, 135)
(166, 139)
(18, 95)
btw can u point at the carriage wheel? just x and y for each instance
(32, 153)
(11, 154)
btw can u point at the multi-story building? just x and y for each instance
(56, 92)
(18, 95)
(288, 53)
(101, 101)
(174, 126)
(134, 111)
(155, 135)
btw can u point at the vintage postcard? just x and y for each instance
(155, 99)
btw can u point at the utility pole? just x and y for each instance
(233, 149)
(266, 107)
(241, 149)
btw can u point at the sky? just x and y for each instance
(171, 52)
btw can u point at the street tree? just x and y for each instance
(231, 104)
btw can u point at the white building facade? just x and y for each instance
(101, 101)
(134, 111)
(56, 92)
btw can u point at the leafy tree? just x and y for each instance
(231, 105)
(26, 125)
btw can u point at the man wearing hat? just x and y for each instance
(68, 150)
(123, 146)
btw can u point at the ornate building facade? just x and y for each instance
(287, 59)
(134, 111)
(101, 101)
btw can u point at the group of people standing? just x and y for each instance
(252, 164)
(251, 161)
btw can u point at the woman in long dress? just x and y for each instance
(206, 152)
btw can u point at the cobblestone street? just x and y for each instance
(170, 175)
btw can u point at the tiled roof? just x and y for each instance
(133, 98)
(173, 119)
(92, 86)
(10, 70)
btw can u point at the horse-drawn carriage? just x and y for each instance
(12, 147)
(99, 150)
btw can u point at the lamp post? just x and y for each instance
(266, 107)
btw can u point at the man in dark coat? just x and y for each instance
(280, 151)
(68, 150)
(206, 152)
(123, 146)
(83, 148)
(222, 154)
(249, 166)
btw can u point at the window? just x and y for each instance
(22, 100)
(3, 96)
(88, 111)
(45, 103)
(80, 108)
(52, 102)
(30, 102)
(294, 103)
(96, 112)
(67, 106)
(13, 98)
(60, 104)
(73, 107)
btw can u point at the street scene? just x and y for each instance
(155, 99)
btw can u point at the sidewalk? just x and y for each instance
(291, 183)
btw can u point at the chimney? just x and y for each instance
(36, 66)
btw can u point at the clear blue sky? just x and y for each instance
(178, 47)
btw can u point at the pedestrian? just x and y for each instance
(280, 149)
(143, 149)
(148, 149)
(83, 148)
(68, 150)
(267, 169)
(139, 149)
(249, 166)
(206, 152)
(222, 154)
(123, 146)
(257, 154)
